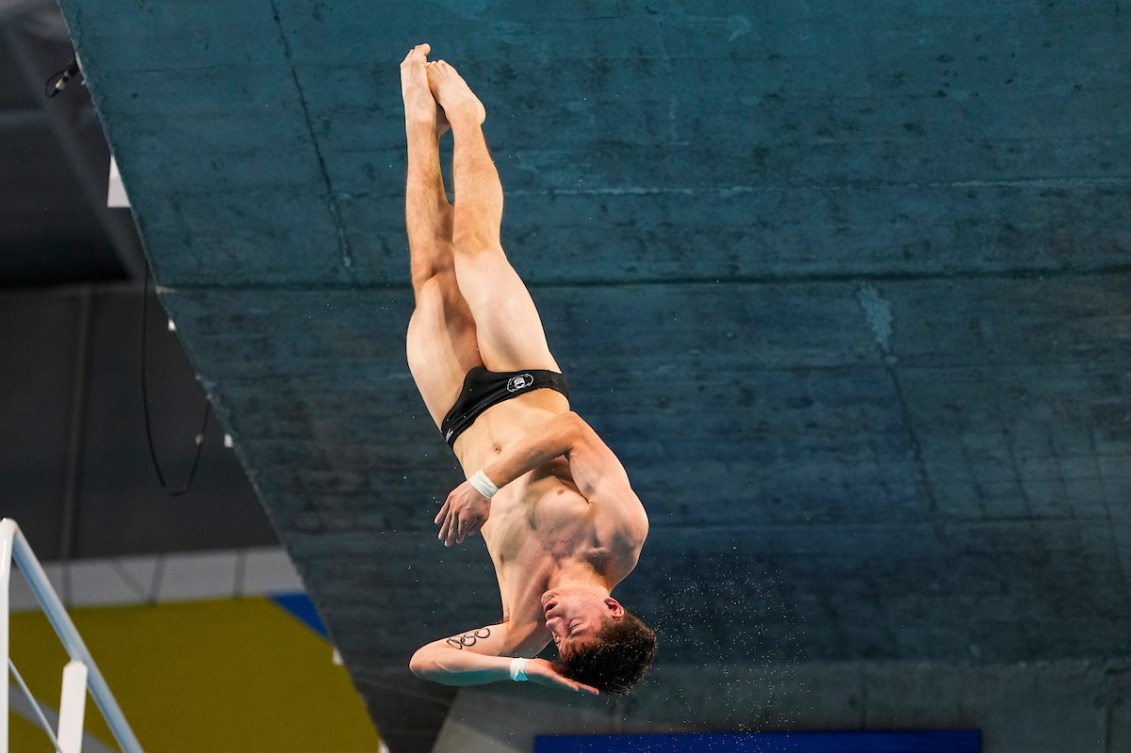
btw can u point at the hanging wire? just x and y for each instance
(145, 403)
(35, 705)
(58, 81)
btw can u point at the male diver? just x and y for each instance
(560, 520)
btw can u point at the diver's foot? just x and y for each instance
(454, 95)
(420, 107)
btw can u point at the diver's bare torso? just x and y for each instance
(540, 524)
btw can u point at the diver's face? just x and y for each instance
(573, 614)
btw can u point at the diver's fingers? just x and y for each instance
(453, 529)
(446, 528)
(466, 528)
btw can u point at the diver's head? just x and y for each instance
(575, 612)
(599, 642)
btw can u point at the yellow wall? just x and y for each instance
(232, 675)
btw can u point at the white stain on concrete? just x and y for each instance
(738, 26)
(877, 312)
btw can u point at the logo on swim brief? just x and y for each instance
(520, 382)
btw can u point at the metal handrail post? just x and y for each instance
(7, 536)
(68, 635)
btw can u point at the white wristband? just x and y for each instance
(483, 484)
(518, 670)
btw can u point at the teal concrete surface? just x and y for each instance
(845, 286)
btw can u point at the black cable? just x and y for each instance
(58, 82)
(145, 404)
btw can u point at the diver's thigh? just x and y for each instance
(507, 324)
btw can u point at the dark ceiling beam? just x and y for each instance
(62, 117)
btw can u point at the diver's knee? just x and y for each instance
(475, 237)
(429, 282)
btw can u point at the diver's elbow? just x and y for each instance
(421, 664)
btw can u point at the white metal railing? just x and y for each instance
(78, 675)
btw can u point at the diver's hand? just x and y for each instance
(463, 514)
(544, 673)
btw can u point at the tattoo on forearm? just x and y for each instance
(469, 639)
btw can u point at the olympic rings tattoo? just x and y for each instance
(468, 639)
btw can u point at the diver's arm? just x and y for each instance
(603, 481)
(557, 437)
(472, 659)
(596, 471)
(467, 659)
(466, 510)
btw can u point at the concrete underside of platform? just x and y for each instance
(844, 285)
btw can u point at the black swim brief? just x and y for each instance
(483, 389)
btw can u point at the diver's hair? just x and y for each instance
(615, 658)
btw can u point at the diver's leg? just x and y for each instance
(508, 328)
(441, 342)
